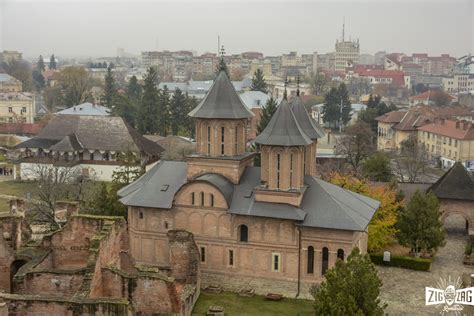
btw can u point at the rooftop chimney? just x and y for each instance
(458, 124)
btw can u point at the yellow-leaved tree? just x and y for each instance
(382, 227)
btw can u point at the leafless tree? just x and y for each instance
(411, 161)
(356, 144)
(53, 184)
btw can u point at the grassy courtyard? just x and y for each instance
(16, 188)
(235, 305)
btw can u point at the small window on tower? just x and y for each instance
(140, 215)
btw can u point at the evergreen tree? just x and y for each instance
(40, 64)
(126, 108)
(375, 108)
(177, 111)
(148, 111)
(52, 62)
(377, 167)
(267, 113)
(332, 106)
(134, 89)
(258, 82)
(163, 111)
(350, 288)
(110, 89)
(188, 122)
(419, 225)
(38, 80)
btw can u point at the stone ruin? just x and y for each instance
(85, 269)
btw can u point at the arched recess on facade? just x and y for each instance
(208, 200)
(324, 260)
(14, 267)
(310, 260)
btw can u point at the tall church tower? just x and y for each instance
(221, 132)
(282, 147)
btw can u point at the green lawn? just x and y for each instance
(16, 188)
(235, 305)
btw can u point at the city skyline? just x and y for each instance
(98, 29)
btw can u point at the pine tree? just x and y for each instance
(52, 62)
(188, 122)
(109, 89)
(163, 111)
(332, 106)
(177, 111)
(38, 80)
(419, 225)
(134, 89)
(267, 113)
(40, 64)
(350, 288)
(148, 111)
(258, 82)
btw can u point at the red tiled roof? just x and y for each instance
(428, 94)
(463, 131)
(397, 76)
(391, 117)
(23, 129)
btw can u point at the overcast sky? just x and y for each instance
(86, 28)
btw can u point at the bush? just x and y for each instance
(419, 264)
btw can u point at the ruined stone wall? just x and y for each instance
(6, 258)
(51, 283)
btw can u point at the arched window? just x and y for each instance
(310, 268)
(325, 260)
(340, 254)
(243, 233)
(193, 200)
(211, 198)
(236, 140)
(291, 171)
(202, 198)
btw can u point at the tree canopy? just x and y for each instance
(350, 288)
(258, 82)
(267, 112)
(110, 89)
(419, 225)
(332, 106)
(75, 85)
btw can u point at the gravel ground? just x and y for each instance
(404, 290)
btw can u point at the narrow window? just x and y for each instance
(202, 198)
(208, 140)
(222, 140)
(304, 161)
(278, 171)
(193, 201)
(231, 257)
(236, 140)
(291, 171)
(212, 199)
(310, 268)
(276, 262)
(325, 260)
(166, 225)
(140, 215)
(243, 233)
(203, 254)
(340, 254)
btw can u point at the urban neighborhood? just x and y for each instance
(287, 177)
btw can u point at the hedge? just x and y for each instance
(420, 264)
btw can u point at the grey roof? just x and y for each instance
(147, 191)
(6, 77)
(221, 183)
(309, 126)
(221, 102)
(454, 184)
(92, 132)
(183, 86)
(68, 143)
(324, 205)
(86, 109)
(283, 129)
(254, 99)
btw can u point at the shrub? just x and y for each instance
(419, 264)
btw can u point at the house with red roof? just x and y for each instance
(429, 98)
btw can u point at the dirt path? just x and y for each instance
(404, 290)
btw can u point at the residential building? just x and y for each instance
(375, 75)
(458, 83)
(464, 65)
(254, 101)
(274, 228)
(397, 126)
(9, 83)
(17, 107)
(91, 144)
(7, 56)
(428, 97)
(86, 109)
(449, 141)
(346, 55)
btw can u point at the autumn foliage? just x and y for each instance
(382, 227)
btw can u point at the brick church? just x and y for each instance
(275, 228)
